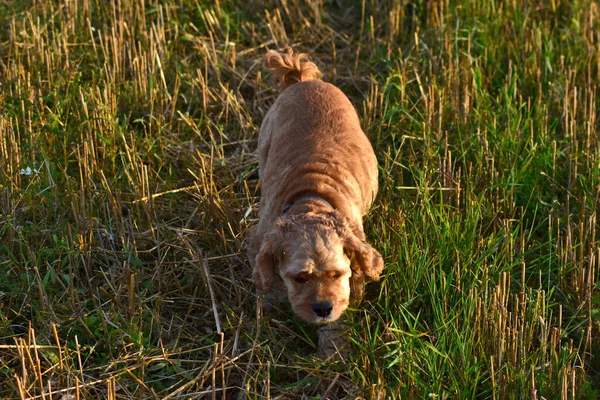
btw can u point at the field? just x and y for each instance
(128, 182)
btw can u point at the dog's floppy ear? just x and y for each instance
(368, 259)
(264, 271)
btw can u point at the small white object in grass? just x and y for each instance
(107, 235)
(248, 211)
(28, 171)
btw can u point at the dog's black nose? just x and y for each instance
(322, 308)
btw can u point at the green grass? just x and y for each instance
(122, 271)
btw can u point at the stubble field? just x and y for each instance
(128, 181)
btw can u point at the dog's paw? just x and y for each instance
(333, 341)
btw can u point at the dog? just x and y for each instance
(318, 176)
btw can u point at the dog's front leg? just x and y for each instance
(333, 340)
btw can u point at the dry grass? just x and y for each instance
(128, 181)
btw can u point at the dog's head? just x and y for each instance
(317, 256)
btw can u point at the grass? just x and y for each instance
(128, 182)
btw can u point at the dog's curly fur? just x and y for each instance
(318, 179)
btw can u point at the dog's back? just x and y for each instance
(311, 141)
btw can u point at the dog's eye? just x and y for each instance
(336, 277)
(301, 280)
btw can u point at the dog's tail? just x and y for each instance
(291, 68)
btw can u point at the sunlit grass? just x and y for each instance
(128, 181)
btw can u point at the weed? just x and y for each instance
(128, 182)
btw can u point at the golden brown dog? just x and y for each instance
(318, 179)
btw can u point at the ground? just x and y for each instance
(128, 182)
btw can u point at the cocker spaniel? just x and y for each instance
(318, 177)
